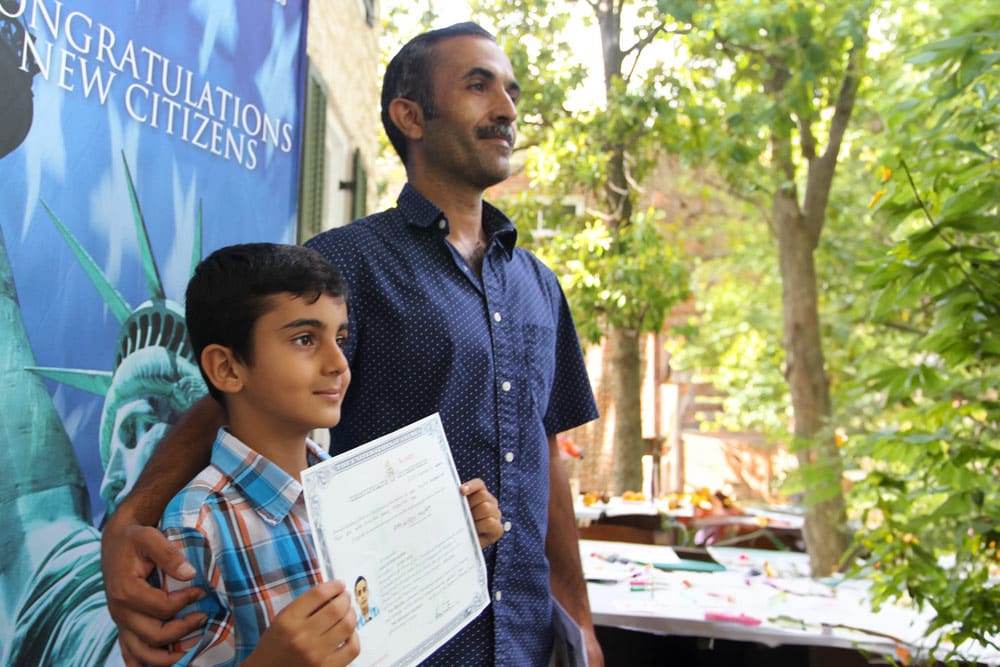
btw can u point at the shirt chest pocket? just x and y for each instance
(539, 361)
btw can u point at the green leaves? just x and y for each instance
(628, 279)
(940, 426)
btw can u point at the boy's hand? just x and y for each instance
(317, 628)
(485, 511)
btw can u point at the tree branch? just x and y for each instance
(806, 136)
(761, 206)
(819, 178)
(844, 106)
(905, 328)
(646, 40)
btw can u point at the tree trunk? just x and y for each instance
(798, 231)
(626, 390)
(819, 459)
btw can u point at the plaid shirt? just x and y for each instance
(241, 510)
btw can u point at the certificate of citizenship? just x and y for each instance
(389, 520)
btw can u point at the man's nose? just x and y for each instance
(506, 110)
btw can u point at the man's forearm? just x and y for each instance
(562, 545)
(182, 453)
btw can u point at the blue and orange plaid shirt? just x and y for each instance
(242, 524)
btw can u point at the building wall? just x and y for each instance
(344, 50)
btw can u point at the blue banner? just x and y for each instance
(135, 138)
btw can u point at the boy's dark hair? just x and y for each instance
(408, 75)
(229, 290)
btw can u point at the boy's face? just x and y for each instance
(297, 375)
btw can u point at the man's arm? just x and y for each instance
(131, 548)
(563, 551)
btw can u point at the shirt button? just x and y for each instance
(496, 317)
(442, 223)
(509, 456)
(505, 386)
(497, 596)
(506, 526)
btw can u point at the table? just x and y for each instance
(744, 603)
(654, 522)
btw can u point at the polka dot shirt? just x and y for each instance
(498, 357)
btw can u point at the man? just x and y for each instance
(448, 316)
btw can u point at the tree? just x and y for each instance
(623, 265)
(932, 454)
(782, 79)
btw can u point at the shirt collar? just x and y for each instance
(270, 490)
(420, 212)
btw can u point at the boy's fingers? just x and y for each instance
(473, 486)
(347, 650)
(313, 601)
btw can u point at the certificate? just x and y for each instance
(389, 520)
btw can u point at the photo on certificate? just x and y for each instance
(389, 520)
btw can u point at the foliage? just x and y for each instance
(736, 342)
(932, 456)
(623, 269)
(611, 273)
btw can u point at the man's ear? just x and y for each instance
(408, 117)
(222, 369)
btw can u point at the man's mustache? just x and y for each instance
(496, 131)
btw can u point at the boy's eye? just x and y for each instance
(341, 341)
(303, 340)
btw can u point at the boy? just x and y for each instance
(267, 324)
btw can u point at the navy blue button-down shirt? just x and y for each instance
(498, 357)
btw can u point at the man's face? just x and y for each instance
(471, 136)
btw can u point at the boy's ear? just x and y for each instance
(408, 117)
(221, 368)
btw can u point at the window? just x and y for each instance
(313, 162)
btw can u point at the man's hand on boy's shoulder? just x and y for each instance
(129, 552)
(317, 628)
(485, 511)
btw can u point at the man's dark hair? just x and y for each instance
(229, 292)
(408, 75)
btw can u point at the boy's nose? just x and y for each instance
(336, 361)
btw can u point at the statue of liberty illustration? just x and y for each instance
(54, 609)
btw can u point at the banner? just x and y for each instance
(135, 138)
